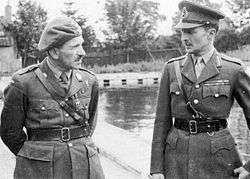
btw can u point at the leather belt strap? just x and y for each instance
(195, 126)
(64, 134)
(72, 112)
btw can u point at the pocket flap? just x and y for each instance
(174, 88)
(172, 138)
(36, 151)
(226, 142)
(216, 90)
(92, 150)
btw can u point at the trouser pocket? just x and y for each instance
(225, 152)
(95, 168)
(34, 160)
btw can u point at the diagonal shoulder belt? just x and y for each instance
(71, 111)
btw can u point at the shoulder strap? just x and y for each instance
(179, 79)
(57, 98)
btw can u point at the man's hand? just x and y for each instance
(243, 173)
(157, 176)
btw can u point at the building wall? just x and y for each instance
(8, 61)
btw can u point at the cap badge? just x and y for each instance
(184, 13)
(79, 76)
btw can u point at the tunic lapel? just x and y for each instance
(188, 69)
(210, 70)
(52, 79)
(76, 83)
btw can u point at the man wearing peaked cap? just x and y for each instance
(56, 101)
(191, 138)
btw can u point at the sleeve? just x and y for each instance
(93, 106)
(162, 124)
(242, 95)
(13, 117)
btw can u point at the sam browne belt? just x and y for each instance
(64, 134)
(196, 126)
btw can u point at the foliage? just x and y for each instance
(241, 12)
(131, 22)
(129, 67)
(227, 39)
(242, 53)
(245, 36)
(88, 33)
(27, 28)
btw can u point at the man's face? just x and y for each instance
(71, 53)
(196, 40)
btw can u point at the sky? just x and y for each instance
(93, 10)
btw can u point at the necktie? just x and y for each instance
(199, 65)
(64, 78)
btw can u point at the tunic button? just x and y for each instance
(216, 95)
(70, 144)
(43, 108)
(67, 115)
(177, 92)
(196, 101)
(66, 99)
(197, 86)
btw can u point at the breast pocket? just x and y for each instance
(34, 160)
(174, 89)
(215, 91)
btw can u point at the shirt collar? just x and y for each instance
(57, 72)
(206, 57)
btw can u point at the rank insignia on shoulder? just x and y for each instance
(45, 75)
(87, 83)
(79, 76)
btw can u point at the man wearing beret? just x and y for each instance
(197, 91)
(56, 102)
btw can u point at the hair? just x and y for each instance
(211, 26)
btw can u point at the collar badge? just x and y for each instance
(79, 76)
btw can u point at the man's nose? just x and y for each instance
(81, 52)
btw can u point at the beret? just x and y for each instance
(57, 32)
(195, 15)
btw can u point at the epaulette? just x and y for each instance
(230, 59)
(27, 69)
(177, 58)
(90, 72)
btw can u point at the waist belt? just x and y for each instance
(195, 126)
(64, 134)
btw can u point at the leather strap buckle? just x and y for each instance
(193, 127)
(65, 134)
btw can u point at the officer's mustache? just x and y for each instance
(79, 58)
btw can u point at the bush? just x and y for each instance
(245, 36)
(129, 67)
(227, 39)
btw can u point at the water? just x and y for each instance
(134, 111)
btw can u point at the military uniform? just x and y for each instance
(184, 146)
(56, 145)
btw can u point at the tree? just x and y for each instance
(131, 23)
(87, 31)
(27, 27)
(241, 12)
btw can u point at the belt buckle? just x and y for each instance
(65, 134)
(192, 127)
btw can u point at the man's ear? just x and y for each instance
(54, 53)
(211, 33)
